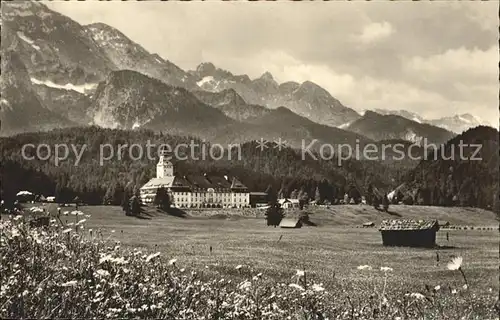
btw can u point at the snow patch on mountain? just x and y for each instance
(416, 120)
(81, 88)
(21, 8)
(29, 41)
(205, 80)
(6, 103)
(468, 118)
(344, 125)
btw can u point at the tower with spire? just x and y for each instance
(164, 168)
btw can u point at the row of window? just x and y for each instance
(181, 199)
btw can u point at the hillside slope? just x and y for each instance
(460, 180)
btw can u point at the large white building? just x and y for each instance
(195, 191)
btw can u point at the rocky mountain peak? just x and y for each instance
(206, 69)
(267, 76)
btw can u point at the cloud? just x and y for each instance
(376, 31)
(460, 62)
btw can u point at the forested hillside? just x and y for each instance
(462, 180)
(284, 170)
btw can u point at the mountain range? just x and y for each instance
(378, 127)
(456, 123)
(67, 74)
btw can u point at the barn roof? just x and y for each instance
(290, 223)
(407, 224)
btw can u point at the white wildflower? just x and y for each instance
(455, 264)
(318, 287)
(102, 273)
(105, 258)
(152, 256)
(238, 267)
(172, 261)
(15, 232)
(296, 286)
(71, 283)
(436, 288)
(417, 295)
(364, 267)
(245, 284)
(386, 269)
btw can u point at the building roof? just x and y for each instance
(165, 182)
(194, 182)
(290, 223)
(199, 182)
(219, 182)
(408, 225)
(258, 193)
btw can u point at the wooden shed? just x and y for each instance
(409, 233)
(291, 223)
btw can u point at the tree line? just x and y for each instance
(441, 182)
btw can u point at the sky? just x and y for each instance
(433, 58)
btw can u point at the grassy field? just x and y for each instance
(329, 252)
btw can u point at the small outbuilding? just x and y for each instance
(409, 233)
(289, 203)
(291, 223)
(257, 199)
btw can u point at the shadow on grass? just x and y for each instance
(438, 247)
(307, 222)
(174, 212)
(142, 217)
(144, 212)
(392, 213)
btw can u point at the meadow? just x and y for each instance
(335, 270)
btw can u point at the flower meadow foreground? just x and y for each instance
(70, 272)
